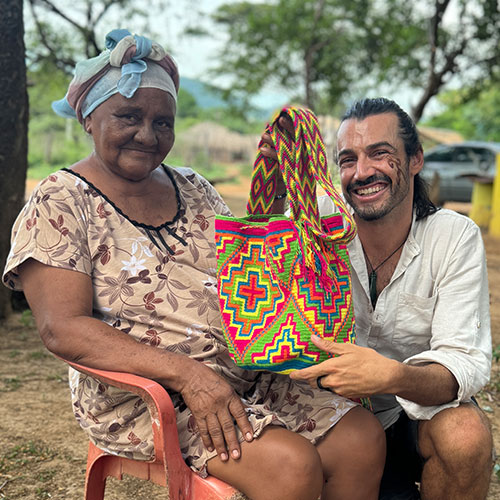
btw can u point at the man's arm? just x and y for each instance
(457, 363)
(360, 371)
(427, 385)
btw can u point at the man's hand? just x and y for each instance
(354, 373)
(215, 405)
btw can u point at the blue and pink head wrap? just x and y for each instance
(129, 62)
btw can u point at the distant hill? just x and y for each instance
(206, 96)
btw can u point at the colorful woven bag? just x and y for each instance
(281, 279)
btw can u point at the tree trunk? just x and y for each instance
(307, 80)
(13, 128)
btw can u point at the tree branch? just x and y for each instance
(60, 62)
(311, 49)
(55, 10)
(436, 78)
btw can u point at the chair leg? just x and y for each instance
(100, 465)
(95, 482)
(184, 485)
(94, 488)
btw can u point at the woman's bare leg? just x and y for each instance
(353, 457)
(279, 465)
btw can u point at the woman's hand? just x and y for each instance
(215, 406)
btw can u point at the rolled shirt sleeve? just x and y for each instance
(461, 334)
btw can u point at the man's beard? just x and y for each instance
(396, 196)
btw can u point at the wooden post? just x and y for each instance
(494, 227)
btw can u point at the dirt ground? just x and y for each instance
(42, 449)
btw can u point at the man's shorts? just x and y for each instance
(403, 466)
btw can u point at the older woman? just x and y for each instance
(116, 257)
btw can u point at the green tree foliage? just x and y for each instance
(336, 49)
(427, 44)
(46, 84)
(186, 105)
(53, 142)
(295, 44)
(476, 119)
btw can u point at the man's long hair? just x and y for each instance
(360, 110)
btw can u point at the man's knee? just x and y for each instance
(458, 437)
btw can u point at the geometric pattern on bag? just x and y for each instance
(282, 278)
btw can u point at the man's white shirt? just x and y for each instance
(435, 309)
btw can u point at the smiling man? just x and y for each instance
(422, 313)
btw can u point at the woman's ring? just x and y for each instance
(320, 385)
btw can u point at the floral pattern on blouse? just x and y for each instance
(157, 284)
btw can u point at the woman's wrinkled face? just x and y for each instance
(133, 136)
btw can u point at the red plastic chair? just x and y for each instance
(168, 468)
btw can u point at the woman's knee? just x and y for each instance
(358, 438)
(360, 433)
(370, 434)
(278, 464)
(297, 462)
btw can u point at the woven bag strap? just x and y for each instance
(303, 164)
(302, 161)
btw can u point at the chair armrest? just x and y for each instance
(150, 391)
(181, 480)
(161, 409)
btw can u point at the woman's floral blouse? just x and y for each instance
(158, 285)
